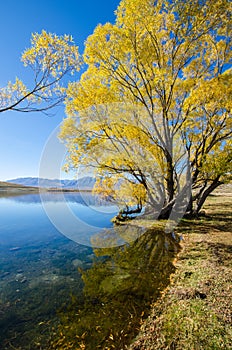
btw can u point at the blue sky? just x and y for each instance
(23, 136)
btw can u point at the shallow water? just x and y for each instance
(38, 264)
(87, 286)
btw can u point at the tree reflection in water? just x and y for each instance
(119, 289)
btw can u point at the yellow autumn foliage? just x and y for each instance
(51, 58)
(154, 105)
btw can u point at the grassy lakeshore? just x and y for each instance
(8, 189)
(194, 312)
(12, 190)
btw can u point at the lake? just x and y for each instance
(69, 278)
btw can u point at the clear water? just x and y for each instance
(38, 264)
(75, 282)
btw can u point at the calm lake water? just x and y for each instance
(77, 280)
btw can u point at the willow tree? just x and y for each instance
(153, 108)
(51, 58)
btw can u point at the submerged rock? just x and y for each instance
(23, 280)
(14, 249)
(7, 273)
(20, 278)
(77, 262)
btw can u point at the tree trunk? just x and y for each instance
(169, 178)
(165, 212)
(201, 200)
(190, 205)
(123, 215)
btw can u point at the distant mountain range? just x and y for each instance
(84, 183)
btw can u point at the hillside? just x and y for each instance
(12, 188)
(85, 183)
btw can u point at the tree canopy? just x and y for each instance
(51, 59)
(152, 112)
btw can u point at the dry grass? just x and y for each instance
(195, 311)
(8, 189)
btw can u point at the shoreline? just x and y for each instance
(194, 311)
(15, 190)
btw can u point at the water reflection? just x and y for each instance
(118, 289)
(78, 216)
(83, 198)
(99, 295)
